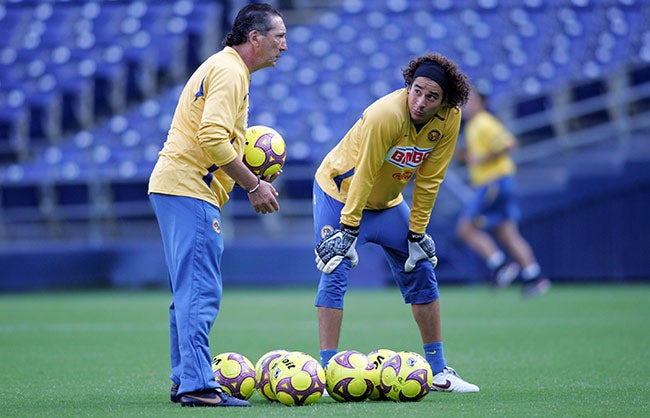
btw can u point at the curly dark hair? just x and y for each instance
(458, 86)
(255, 16)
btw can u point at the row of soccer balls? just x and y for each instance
(295, 378)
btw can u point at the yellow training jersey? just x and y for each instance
(485, 135)
(207, 131)
(371, 165)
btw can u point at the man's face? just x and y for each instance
(273, 43)
(424, 99)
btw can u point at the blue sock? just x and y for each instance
(435, 357)
(326, 355)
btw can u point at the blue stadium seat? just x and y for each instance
(107, 22)
(98, 69)
(205, 25)
(13, 24)
(72, 194)
(19, 196)
(14, 125)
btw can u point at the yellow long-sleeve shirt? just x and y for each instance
(485, 135)
(370, 167)
(207, 131)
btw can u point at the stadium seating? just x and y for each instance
(76, 63)
(88, 89)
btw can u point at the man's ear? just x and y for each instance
(253, 37)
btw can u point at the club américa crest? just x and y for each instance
(434, 135)
(326, 230)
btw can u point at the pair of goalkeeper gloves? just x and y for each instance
(340, 244)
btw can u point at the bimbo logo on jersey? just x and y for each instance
(407, 156)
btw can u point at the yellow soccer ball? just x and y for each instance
(348, 376)
(265, 151)
(235, 373)
(297, 379)
(406, 376)
(378, 358)
(263, 373)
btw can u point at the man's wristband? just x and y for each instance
(413, 237)
(352, 230)
(257, 186)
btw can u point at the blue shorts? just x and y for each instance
(193, 245)
(389, 229)
(493, 204)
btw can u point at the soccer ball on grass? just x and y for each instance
(348, 376)
(235, 373)
(263, 373)
(264, 150)
(406, 376)
(297, 379)
(378, 358)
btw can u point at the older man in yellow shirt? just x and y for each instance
(196, 170)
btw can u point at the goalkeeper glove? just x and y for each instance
(335, 247)
(421, 247)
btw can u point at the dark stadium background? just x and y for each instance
(87, 90)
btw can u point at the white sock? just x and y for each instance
(495, 259)
(530, 272)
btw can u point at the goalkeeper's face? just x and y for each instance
(424, 99)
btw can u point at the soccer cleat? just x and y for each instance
(173, 395)
(536, 287)
(505, 274)
(211, 398)
(449, 381)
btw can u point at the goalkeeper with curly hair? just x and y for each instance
(408, 134)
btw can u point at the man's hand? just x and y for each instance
(263, 198)
(335, 247)
(261, 193)
(421, 247)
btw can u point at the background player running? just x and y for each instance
(494, 206)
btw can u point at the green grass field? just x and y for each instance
(577, 351)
